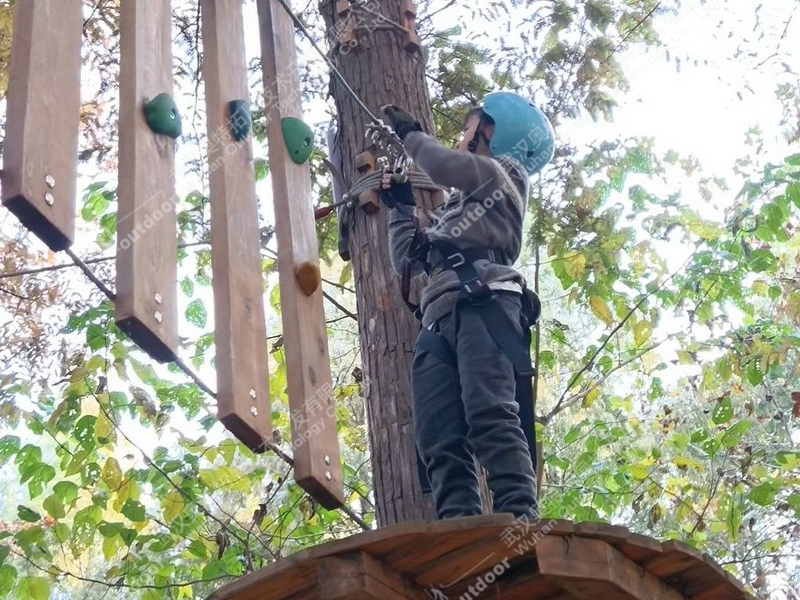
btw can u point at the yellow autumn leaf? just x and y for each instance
(227, 478)
(172, 504)
(129, 490)
(573, 295)
(111, 473)
(575, 265)
(103, 427)
(589, 399)
(600, 310)
(110, 546)
(641, 332)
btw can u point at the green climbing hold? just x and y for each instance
(299, 139)
(239, 119)
(161, 114)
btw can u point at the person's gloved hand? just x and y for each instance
(393, 194)
(402, 122)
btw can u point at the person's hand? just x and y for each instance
(402, 122)
(386, 180)
(392, 193)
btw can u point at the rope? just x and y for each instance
(372, 181)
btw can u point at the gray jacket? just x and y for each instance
(487, 211)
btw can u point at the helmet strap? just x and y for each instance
(479, 135)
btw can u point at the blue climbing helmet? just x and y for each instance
(521, 130)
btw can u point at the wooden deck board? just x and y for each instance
(443, 556)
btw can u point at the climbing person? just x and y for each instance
(471, 375)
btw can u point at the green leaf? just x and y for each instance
(76, 464)
(9, 446)
(95, 337)
(84, 431)
(54, 507)
(753, 373)
(275, 298)
(764, 494)
(84, 528)
(734, 434)
(28, 515)
(134, 510)
(4, 552)
(763, 260)
(143, 371)
(30, 537)
(793, 160)
(33, 588)
(61, 531)
(95, 204)
(723, 412)
(196, 313)
(37, 476)
(346, 275)
(261, 169)
(187, 286)
(8, 576)
(793, 193)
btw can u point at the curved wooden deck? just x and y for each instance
(494, 557)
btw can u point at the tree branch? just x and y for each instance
(339, 285)
(590, 363)
(591, 387)
(118, 584)
(339, 306)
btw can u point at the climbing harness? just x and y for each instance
(439, 255)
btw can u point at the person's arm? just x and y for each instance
(402, 227)
(475, 175)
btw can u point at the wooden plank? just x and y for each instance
(361, 576)
(635, 547)
(494, 548)
(447, 536)
(316, 445)
(290, 570)
(533, 587)
(40, 161)
(591, 568)
(675, 559)
(240, 337)
(694, 573)
(281, 580)
(146, 303)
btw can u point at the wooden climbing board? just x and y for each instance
(40, 163)
(314, 437)
(147, 254)
(496, 557)
(243, 404)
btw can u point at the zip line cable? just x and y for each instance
(300, 25)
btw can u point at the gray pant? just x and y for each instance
(470, 410)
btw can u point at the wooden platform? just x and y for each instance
(494, 557)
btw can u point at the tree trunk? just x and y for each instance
(381, 72)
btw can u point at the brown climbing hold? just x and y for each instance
(368, 202)
(365, 162)
(308, 277)
(411, 41)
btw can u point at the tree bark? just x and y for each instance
(380, 71)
